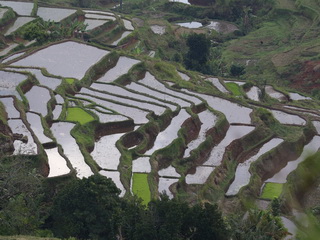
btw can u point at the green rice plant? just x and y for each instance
(140, 187)
(271, 190)
(78, 115)
(234, 88)
(69, 80)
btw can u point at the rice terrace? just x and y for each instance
(126, 92)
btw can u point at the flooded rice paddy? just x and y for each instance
(8, 49)
(297, 97)
(200, 176)
(20, 21)
(157, 29)
(165, 137)
(36, 126)
(94, 23)
(105, 152)
(71, 150)
(208, 120)
(217, 84)
(254, 93)
(286, 118)
(58, 165)
(123, 35)
(169, 172)
(21, 8)
(308, 150)
(190, 24)
(38, 98)
(141, 165)
(25, 145)
(275, 94)
(68, 59)
(234, 132)
(243, 175)
(11, 110)
(122, 67)
(54, 14)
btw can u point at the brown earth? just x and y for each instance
(308, 77)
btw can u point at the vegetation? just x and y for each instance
(271, 190)
(78, 115)
(140, 187)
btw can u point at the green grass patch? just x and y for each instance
(271, 190)
(140, 187)
(69, 80)
(78, 115)
(234, 88)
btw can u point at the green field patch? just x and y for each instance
(78, 115)
(140, 187)
(69, 80)
(234, 88)
(272, 190)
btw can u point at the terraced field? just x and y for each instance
(122, 117)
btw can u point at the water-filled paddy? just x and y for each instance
(242, 175)
(10, 80)
(141, 165)
(105, 117)
(297, 96)
(275, 94)
(309, 149)
(190, 24)
(184, 76)
(8, 49)
(2, 12)
(286, 118)
(38, 98)
(124, 34)
(124, 92)
(208, 120)
(8, 103)
(115, 176)
(200, 176)
(21, 8)
(254, 93)
(122, 67)
(157, 29)
(71, 150)
(125, 100)
(14, 56)
(68, 59)
(222, 27)
(128, 24)
(234, 113)
(57, 164)
(35, 123)
(54, 14)
(140, 187)
(78, 115)
(317, 126)
(100, 17)
(94, 23)
(105, 152)
(22, 148)
(150, 81)
(57, 111)
(165, 137)
(49, 82)
(234, 132)
(164, 184)
(217, 84)
(138, 116)
(158, 95)
(169, 172)
(20, 21)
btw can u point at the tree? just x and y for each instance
(237, 70)
(199, 52)
(87, 208)
(20, 196)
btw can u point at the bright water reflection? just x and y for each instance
(35, 123)
(71, 150)
(242, 175)
(20, 147)
(57, 164)
(20, 21)
(8, 103)
(38, 98)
